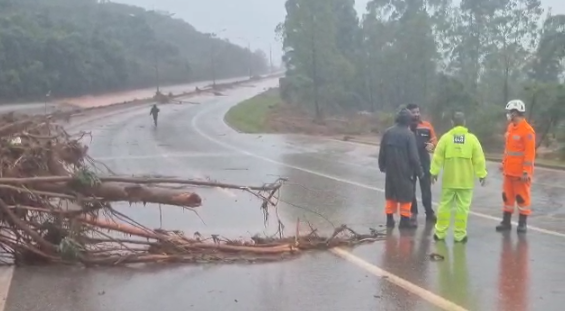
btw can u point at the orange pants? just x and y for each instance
(516, 192)
(392, 207)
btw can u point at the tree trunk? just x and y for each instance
(545, 132)
(128, 192)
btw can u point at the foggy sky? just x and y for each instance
(247, 21)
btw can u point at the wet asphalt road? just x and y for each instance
(337, 180)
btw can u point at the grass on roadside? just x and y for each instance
(250, 116)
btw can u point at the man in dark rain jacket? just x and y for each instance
(425, 140)
(399, 160)
(154, 113)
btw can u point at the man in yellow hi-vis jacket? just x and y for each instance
(460, 155)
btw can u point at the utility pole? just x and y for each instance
(250, 56)
(157, 79)
(157, 74)
(212, 37)
(271, 58)
(250, 60)
(315, 68)
(46, 100)
(213, 66)
(156, 49)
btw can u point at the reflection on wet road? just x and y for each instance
(329, 182)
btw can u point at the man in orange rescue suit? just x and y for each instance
(517, 166)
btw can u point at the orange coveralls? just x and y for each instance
(519, 155)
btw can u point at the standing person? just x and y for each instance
(460, 155)
(426, 140)
(155, 113)
(398, 159)
(517, 166)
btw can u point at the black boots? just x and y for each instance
(522, 224)
(506, 225)
(390, 221)
(414, 220)
(406, 223)
(463, 241)
(431, 217)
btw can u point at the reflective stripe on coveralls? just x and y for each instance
(516, 192)
(457, 201)
(460, 155)
(391, 207)
(519, 155)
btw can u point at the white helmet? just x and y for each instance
(516, 104)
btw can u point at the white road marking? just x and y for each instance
(343, 180)
(538, 168)
(7, 272)
(166, 155)
(373, 269)
(430, 297)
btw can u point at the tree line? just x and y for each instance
(76, 47)
(445, 55)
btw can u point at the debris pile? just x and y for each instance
(55, 207)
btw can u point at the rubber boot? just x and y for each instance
(431, 217)
(464, 240)
(390, 221)
(522, 224)
(505, 224)
(414, 220)
(406, 223)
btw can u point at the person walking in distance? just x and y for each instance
(460, 155)
(154, 113)
(426, 140)
(398, 159)
(517, 166)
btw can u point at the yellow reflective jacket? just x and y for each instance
(460, 155)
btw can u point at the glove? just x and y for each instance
(525, 177)
(434, 179)
(483, 181)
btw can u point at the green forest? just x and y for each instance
(445, 55)
(76, 47)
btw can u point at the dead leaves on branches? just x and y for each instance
(55, 207)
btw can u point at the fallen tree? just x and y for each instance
(55, 207)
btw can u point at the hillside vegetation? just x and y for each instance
(75, 47)
(468, 55)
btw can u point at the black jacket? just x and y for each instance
(399, 160)
(154, 111)
(425, 134)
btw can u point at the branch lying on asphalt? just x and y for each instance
(138, 180)
(55, 207)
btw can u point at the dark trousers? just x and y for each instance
(426, 189)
